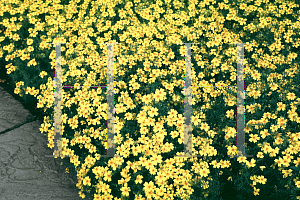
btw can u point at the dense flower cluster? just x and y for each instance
(149, 98)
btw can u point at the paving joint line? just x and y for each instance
(19, 125)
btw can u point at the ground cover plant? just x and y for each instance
(149, 98)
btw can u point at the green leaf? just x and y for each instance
(296, 168)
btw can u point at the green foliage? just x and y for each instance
(241, 187)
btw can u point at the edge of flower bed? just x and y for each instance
(7, 85)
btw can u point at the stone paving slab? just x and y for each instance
(25, 172)
(11, 111)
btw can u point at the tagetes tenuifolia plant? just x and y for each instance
(149, 92)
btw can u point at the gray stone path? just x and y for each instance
(25, 172)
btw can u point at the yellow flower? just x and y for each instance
(139, 179)
(260, 155)
(256, 191)
(242, 159)
(128, 116)
(264, 133)
(232, 150)
(42, 74)
(211, 133)
(148, 186)
(87, 181)
(29, 41)
(204, 126)
(231, 132)
(273, 128)
(147, 99)
(298, 184)
(125, 191)
(230, 113)
(215, 164)
(256, 76)
(17, 90)
(242, 21)
(281, 106)
(251, 163)
(107, 176)
(254, 138)
(204, 172)
(287, 173)
(153, 112)
(273, 86)
(291, 96)
(256, 94)
(81, 194)
(262, 167)
(160, 95)
(174, 134)
(30, 49)
(232, 103)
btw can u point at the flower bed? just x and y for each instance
(149, 97)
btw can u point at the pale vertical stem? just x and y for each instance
(240, 99)
(187, 104)
(240, 118)
(188, 145)
(57, 102)
(110, 101)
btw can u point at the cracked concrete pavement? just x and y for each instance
(25, 172)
